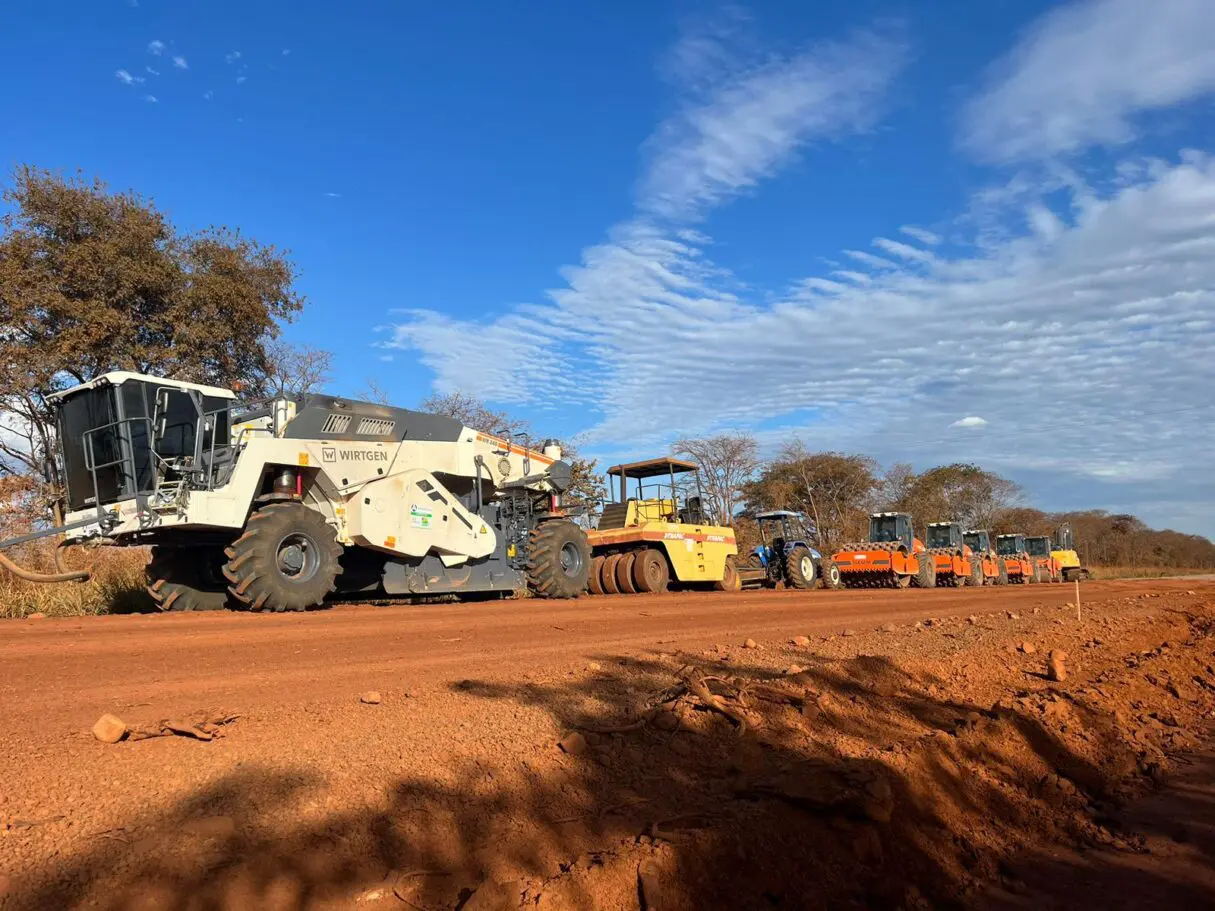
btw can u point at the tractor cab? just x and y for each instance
(1038, 546)
(1010, 545)
(781, 530)
(655, 490)
(890, 528)
(945, 535)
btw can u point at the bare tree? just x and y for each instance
(374, 392)
(296, 369)
(474, 413)
(726, 462)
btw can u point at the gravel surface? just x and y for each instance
(870, 749)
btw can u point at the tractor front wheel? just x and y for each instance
(287, 559)
(799, 567)
(832, 577)
(187, 578)
(559, 560)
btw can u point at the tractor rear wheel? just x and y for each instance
(609, 574)
(650, 571)
(558, 559)
(730, 581)
(594, 578)
(287, 559)
(187, 578)
(799, 567)
(624, 573)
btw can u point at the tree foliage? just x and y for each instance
(726, 462)
(834, 489)
(959, 492)
(93, 281)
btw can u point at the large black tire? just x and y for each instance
(187, 578)
(830, 574)
(559, 559)
(926, 576)
(799, 567)
(624, 573)
(287, 559)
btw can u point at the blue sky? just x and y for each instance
(929, 231)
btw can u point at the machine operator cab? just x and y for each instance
(945, 535)
(978, 541)
(780, 530)
(892, 528)
(656, 490)
(1038, 546)
(1010, 545)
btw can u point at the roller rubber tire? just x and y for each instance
(730, 580)
(650, 571)
(976, 573)
(624, 574)
(187, 578)
(262, 571)
(926, 576)
(1001, 573)
(609, 574)
(594, 578)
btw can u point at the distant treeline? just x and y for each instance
(838, 491)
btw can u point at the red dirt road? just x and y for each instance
(68, 671)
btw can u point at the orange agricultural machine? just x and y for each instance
(893, 557)
(988, 568)
(1046, 566)
(953, 557)
(1018, 566)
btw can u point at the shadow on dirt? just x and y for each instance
(850, 786)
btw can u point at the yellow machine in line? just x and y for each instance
(659, 535)
(1064, 553)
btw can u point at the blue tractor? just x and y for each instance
(784, 555)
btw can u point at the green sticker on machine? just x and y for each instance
(420, 516)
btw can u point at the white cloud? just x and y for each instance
(286, 52)
(743, 128)
(902, 250)
(151, 99)
(333, 195)
(180, 63)
(232, 56)
(1085, 70)
(208, 95)
(126, 78)
(156, 48)
(1067, 328)
(240, 80)
(921, 234)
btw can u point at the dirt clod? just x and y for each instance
(36, 615)
(1026, 648)
(889, 628)
(1056, 667)
(573, 743)
(800, 641)
(109, 728)
(750, 643)
(371, 697)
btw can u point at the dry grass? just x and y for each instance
(117, 585)
(1145, 572)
